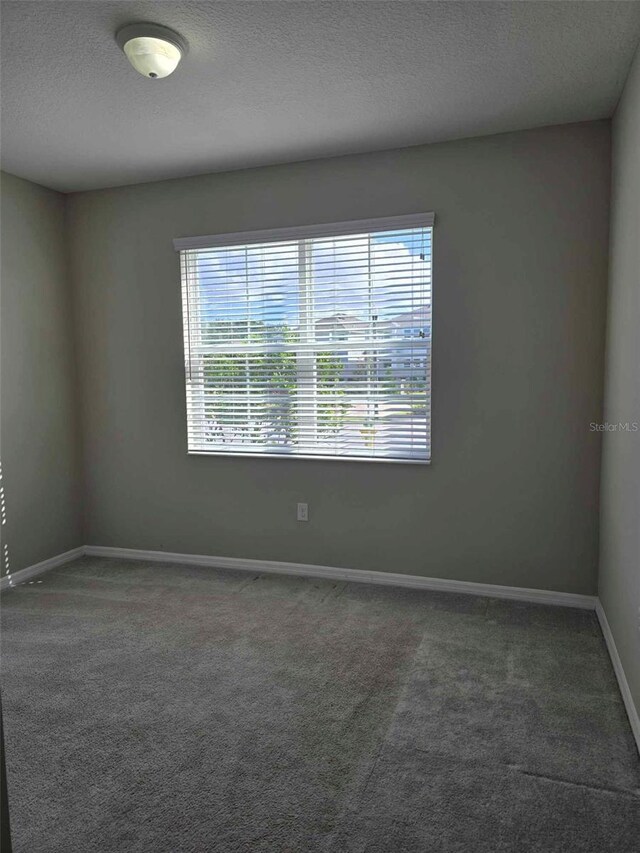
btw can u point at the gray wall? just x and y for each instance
(620, 497)
(520, 255)
(38, 422)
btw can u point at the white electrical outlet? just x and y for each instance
(303, 512)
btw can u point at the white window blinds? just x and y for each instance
(311, 342)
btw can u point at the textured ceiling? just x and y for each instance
(271, 82)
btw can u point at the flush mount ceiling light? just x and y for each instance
(154, 51)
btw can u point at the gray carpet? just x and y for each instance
(174, 709)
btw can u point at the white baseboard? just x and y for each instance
(541, 596)
(625, 690)
(514, 593)
(22, 575)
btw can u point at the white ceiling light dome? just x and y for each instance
(154, 51)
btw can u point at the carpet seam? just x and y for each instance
(629, 792)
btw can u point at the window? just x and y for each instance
(312, 342)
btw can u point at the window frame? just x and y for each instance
(301, 233)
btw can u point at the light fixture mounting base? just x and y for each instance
(156, 31)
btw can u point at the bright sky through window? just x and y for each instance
(311, 343)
